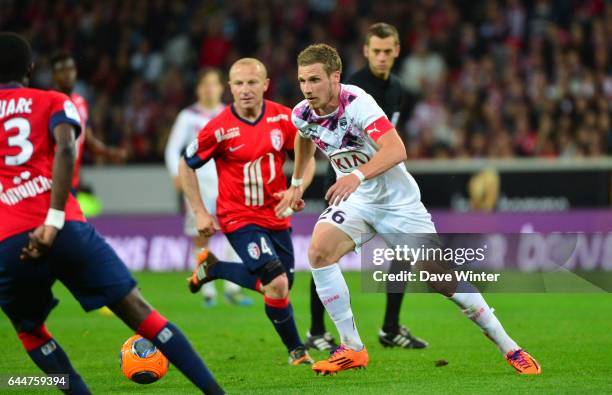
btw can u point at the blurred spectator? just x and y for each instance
(421, 67)
(488, 78)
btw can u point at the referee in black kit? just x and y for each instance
(381, 48)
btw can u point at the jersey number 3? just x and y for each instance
(19, 140)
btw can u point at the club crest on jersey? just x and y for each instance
(276, 136)
(253, 250)
(343, 123)
(192, 148)
(347, 161)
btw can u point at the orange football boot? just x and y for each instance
(205, 260)
(522, 362)
(343, 358)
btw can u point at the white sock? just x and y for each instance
(231, 288)
(476, 308)
(209, 290)
(334, 293)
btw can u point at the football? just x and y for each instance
(141, 361)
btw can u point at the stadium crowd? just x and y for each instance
(483, 78)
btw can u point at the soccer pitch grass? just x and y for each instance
(569, 334)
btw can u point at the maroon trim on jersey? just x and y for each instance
(263, 111)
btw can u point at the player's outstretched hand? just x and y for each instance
(206, 224)
(41, 240)
(290, 202)
(342, 189)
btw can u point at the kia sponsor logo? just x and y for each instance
(347, 161)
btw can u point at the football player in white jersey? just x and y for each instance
(373, 194)
(188, 123)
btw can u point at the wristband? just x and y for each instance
(55, 218)
(359, 175)
(297, 182)
(288, 211)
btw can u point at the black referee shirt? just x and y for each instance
(387, 93)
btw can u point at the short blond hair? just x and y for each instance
(321, 53)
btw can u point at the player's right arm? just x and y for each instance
(197, 153)
(205, 222)
(43, 237)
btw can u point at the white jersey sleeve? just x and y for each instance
(300, 123)
(180, 137)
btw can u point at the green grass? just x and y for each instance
(570, 334)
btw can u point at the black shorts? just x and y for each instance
(80, 258)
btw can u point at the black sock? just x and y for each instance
(317, 311)
(236, 273)
(175, 346)
(392, 312)
(282, 318)
(52, 359)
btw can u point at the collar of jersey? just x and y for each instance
(377, 80)
(331, 114)
(263, 111)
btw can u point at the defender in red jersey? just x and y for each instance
(44, 238)
(64, 80)
(249, 141)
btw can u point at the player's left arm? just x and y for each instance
(369, 117)
(391, 152)
(43, 237)
(98, 147)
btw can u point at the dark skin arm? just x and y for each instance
(98, 147)
(43, 236)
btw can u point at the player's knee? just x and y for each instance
(278, 287)
(269, 271)
(320, 255)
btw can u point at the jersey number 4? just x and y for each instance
(20, 140)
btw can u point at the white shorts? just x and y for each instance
(362, 221)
